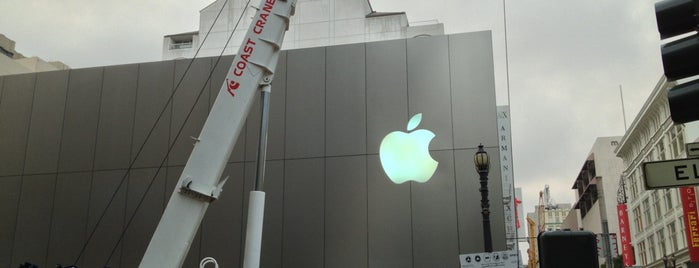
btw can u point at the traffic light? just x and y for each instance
(570, 249)
(680, 57)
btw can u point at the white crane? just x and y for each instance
(251, 72)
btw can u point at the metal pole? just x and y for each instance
(607, 243)
(485, 210)
(256, 206)
(262, 144)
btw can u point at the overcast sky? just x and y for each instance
(567, 60)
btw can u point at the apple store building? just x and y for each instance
(422, 106)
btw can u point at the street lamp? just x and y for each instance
(482, 162)
(669, 261)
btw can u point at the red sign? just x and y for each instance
(625, 234)
(517, 202)
(691, 221)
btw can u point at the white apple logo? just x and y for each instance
(406, 156)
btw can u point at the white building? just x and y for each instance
(595, 193)
(655, 216)
(13, 62)
(316, 23)
(553, 216)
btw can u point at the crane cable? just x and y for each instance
(152, 130)
(179, 132)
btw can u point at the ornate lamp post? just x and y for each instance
(482, 162)
(669, 261)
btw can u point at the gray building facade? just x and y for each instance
(68, 137)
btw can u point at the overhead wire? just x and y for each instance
(179, 132)
(150, 134)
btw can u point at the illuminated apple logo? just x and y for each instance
(406, 156)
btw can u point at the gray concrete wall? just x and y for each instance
(68, 137)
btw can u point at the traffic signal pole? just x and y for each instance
(680, 57)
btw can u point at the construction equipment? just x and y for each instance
(549, 203)
(251, 72)
(541, 213)
(532, 243)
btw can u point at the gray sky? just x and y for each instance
(567, 60)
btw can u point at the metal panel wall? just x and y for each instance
(43, 142)
(15, 111)
(186, 97)
(435, 235)
(345, 101)
(273, 228)
(345, 212)
(428, 88)
(10, 188)
(155, 82)
(104, 186)
(277, 111)
(390, 219)
(145, 190)
(68, 223)
(116, 119)
(80, 120)
(1, 83)
(468, 202)
(472, 81)
(329, 202)
(304, 210)
(33, 220)
(305, 103)
(222, 226)
(387, 90)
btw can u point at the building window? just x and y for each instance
(634, 187)
(651, 247)
(646, 211)
(642, 253)
(661, 241)
(682, 240)
(181, 41)
(660, 149)
(677, 141)
(656, 205)
(180, 45)
(672, 234)
(637, 219)
(668, 199)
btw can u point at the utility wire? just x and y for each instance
(148, 136)
(507, 60)
(179, 132)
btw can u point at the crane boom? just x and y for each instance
(532, 243)
(253, 66)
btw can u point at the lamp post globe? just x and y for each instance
(482, 163)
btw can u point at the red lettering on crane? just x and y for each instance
(232, 85)
(249, 47)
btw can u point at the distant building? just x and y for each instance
(13, 62)
(595, 193)
(316, 23)
(655, 216)
(553, 216)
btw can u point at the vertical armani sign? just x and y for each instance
(508, 194)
